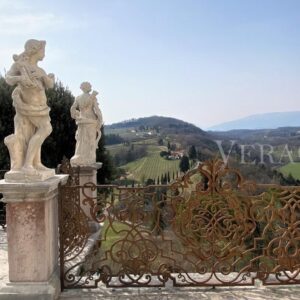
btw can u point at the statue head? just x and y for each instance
(35, 47)
(86, 87)
(32, 48)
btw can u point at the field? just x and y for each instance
(151, 166)
(150, 143)
(291, 168)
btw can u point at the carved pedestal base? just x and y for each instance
(47, 290)
(32, 236)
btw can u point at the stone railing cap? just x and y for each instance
(21, 190)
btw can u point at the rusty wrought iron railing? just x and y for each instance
(208, 228)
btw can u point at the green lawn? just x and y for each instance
(293, 168)
(111, 235)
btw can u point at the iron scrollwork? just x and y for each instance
(210, 227)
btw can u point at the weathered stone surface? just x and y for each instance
(232, 293)
(3, 258)
(27, 291)
(86, 112)
(32, 238)
(88, 174)
(32, 121)
(48, 290)
(21, 176)
(22, 192)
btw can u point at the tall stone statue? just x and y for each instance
(86, 112)
(32, 121)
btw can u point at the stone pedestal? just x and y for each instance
(23, 177)
(88, 174)
(32, 236)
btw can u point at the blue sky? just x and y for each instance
(203, 61)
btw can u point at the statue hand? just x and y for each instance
(99, 125)
(26, 82)
(75, 115)
(37, 74)
(94, 94)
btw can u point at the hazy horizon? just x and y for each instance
(204, 62)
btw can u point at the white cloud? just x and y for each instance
(11, 5)
(18, 19)
(21, 20)
(26, 24)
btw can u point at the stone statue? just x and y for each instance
(32, 121)
(86, 112)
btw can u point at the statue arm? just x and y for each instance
(73, 110)
(49, 81)
(100, 120)
(98, 112)
(13, 76)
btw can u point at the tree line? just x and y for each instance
(133, 153)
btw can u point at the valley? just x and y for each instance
(136, 147)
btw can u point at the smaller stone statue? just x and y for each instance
(88, 117)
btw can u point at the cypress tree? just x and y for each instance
(184, 164)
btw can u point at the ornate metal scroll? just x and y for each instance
(73, 223)
(209, 228)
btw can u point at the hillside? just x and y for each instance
(271, 136)
(291, 169)
(278, 141)
(136, 146)
(140, 161)
(261, 121)
(167, 124)
(174, 130)
(152, 166)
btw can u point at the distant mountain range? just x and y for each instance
(261, 121)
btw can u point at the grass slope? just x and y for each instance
(151, 166)
(293, 168)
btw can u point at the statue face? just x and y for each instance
(41, 54)
(86, 87)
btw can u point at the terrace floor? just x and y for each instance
(273, 293)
